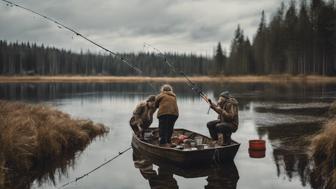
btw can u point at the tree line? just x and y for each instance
(299, 39)
(31, 59)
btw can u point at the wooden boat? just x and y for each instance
(185, 157)
(229, 169)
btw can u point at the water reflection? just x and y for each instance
(217, 176)
(163, 178)
(41, 173)
(289, 134)
(246, 92)
(290, 144)
(284, 115)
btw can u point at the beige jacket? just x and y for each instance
(166, 102)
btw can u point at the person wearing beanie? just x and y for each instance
(167, 114)
(227, 122)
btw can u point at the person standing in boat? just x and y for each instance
(227, 122)
(143, 116)
(167, 114)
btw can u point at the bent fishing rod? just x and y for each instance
(191, 84)
(61, 25)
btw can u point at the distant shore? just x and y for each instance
(197, 79)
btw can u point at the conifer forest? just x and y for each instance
(299, 39)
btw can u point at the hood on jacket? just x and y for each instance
(169, 93)
(232, 101)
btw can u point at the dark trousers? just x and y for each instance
(215, 127)
(166, 127)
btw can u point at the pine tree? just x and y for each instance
(236, 60)
(259, 45)
(304, 38)
(220, 59)
(275, 60)
(290, 37)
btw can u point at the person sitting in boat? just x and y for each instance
(143, 116)
(227, 122)
(167, 113)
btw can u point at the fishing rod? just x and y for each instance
(61, 25)
(191, 84)
(93, 170)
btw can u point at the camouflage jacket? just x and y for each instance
(228, 112)
(142, 115)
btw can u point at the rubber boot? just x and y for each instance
(227, 140)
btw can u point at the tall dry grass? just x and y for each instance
(2, 176)
(332, 110)
(324, 155)
(31, 135)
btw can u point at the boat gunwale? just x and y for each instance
(185, 151)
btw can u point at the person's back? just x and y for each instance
(143, 115)
(166, 102)
(167, 114)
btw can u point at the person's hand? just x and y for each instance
(210, 102)
(212, 105)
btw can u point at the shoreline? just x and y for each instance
(140, 79)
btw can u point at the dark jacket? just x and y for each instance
(166, 102)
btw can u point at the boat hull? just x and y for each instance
(220, 154)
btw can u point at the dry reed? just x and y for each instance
(332, 109)
(324, 155)
(34, 134)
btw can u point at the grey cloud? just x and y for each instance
(123, 25)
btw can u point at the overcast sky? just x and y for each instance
(191, 26)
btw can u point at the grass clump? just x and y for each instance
(31, 135)
(332, 109)
(324, 155)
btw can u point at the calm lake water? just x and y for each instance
(283, 115)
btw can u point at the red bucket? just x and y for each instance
(257, 153)
(257, 145)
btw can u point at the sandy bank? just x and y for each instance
(198, 79)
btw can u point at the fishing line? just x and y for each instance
(60, 26)
(191, 84)
(122, 59)
(93, 170)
